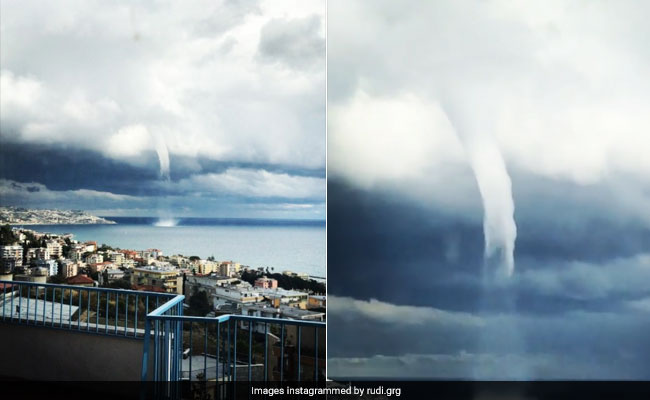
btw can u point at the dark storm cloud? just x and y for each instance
(361, 329)
(66, 177)
(399, 270)
(68, 168)
(372, 235)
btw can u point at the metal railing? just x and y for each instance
(235, 346)
(227, 348)
(106, 311)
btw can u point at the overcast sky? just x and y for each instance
(96, 93)
(562, 89)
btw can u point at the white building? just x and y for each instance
(51, 266)
(95, 259)
(54, 248)
(12, 252)
(229, 268)
(37, 253)
(116, 257)
(69, 268)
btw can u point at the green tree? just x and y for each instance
(120, 284)
(67, 247)
(199, 303)
(58, 279)
(105, 247)
(7, 235)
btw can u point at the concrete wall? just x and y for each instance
(38, 353)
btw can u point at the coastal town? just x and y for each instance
(25, 216)
(211, 287)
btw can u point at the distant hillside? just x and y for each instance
(24, 216)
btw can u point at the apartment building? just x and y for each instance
(163, 277)
(12, 252)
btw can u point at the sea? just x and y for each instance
(294, 245)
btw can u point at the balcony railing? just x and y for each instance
(176, 347)
(81, 308)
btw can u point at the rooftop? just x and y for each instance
(153, 268)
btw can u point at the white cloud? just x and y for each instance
(642, 305)
(398, 314)
(375, 139)
(561, 85)
(484, 366)
(129, 141)
(590, 281)
(256, 183)
(81, 73)
(18, 91)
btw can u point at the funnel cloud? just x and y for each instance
(495, 186)
(163, 157)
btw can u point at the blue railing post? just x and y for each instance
(126, 315)
(266, 350)
(29, 289)
(108, 297)
(156, 352)
(234, 356)
(4, 299)
(79, 311)
(53, 302)
(282, 355)
(97, 314)
(191, 350)
(250, 351)
(88, 312)
(299, 340)
(12, 302)
(145, 349)
(205, 351)
(315, 354)
(117, 308)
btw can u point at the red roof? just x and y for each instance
(79, 280)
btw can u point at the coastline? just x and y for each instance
(296, 248)
(31, 223)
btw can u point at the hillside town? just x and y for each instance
(211, 287)
(25, 216)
